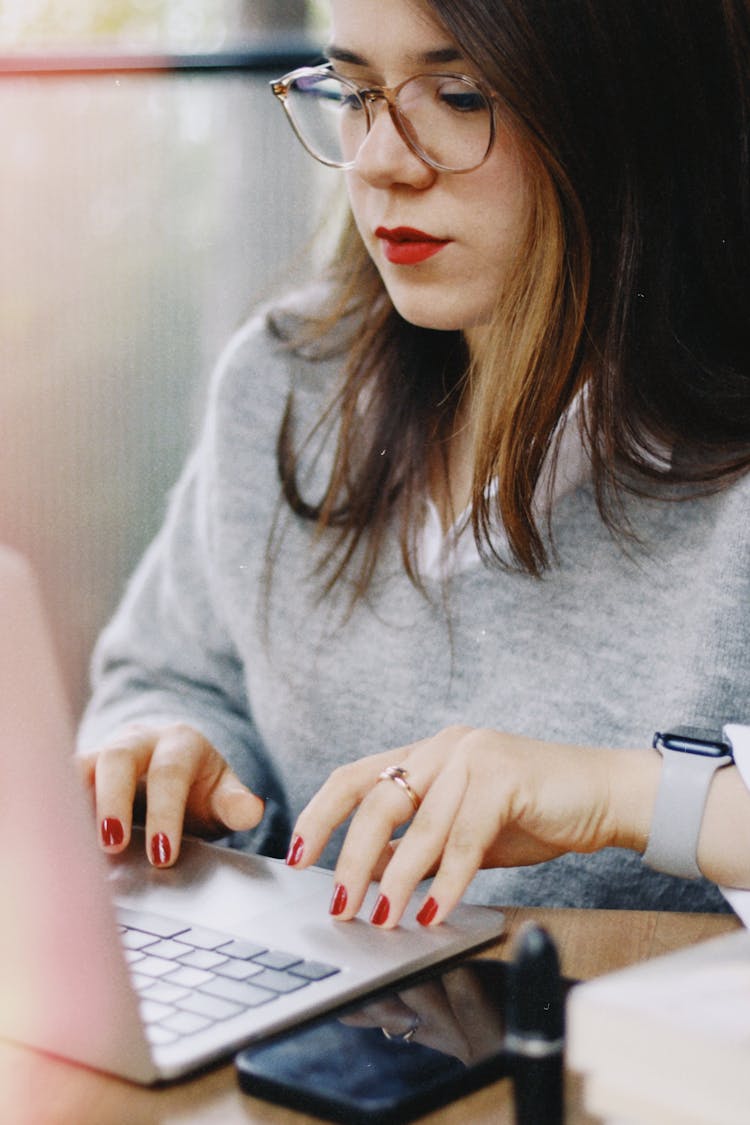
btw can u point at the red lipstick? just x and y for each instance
(405, 246)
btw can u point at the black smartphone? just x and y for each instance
(392, 1056)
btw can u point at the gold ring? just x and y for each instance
(399, 775)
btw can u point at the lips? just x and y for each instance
(406, 246)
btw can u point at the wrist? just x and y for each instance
(724, 842)
(634, 780)
(691, 757)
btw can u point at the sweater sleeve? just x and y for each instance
(168, 656)
(739, 736)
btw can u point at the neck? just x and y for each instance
(452, 475)
(476, 338)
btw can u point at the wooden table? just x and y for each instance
(37, 1090)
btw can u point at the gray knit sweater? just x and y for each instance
(611, 644)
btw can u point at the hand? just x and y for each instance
(454, 1013)
(184, 780)
(487, 800)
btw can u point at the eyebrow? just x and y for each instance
(426, 58)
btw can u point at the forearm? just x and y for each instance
(724, 845)
(168, 655)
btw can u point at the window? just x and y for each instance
(141, 219)
(207, 25)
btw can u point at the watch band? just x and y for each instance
(686, 776)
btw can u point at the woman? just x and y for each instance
(470, 517)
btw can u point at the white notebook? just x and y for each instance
(667, 1042)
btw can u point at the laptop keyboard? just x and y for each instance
(188, 978)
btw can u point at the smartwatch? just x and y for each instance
(690, 758)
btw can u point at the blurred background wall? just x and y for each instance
(141, 219)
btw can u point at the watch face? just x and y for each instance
(693, 740)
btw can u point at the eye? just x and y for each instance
(351, 102)
(347, 93)
(461, 97)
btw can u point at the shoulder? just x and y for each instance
(290, 346)
(712, 538)
(728, 510)
(732, 527)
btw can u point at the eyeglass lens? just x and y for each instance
(446, 118)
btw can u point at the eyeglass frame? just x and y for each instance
(368, 95)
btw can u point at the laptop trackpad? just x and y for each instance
(213, 885)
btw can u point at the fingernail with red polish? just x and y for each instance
(160, 849)
(296, 848)
(380, 911)
(338, 901)
(428, 912)
(112, 832)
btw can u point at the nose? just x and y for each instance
(384, 157)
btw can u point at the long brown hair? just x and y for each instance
(632, 118)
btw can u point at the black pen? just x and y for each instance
(535, 1028)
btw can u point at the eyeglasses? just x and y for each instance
(446, 119)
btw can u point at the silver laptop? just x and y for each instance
(151, 974)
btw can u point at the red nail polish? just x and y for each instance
(296, 848)
(338, 902)
(113, 833)
(160, 849)
(380, 911)
(428, 912)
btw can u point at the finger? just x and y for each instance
(178, 757)
(333, 803)
(233, 804)
(386, 856)
(438, 1025)
(383, 809)
(478, 822)
(421, 847)
(478, 1012)
(84, 763)
(117, 767)
(390, 1012)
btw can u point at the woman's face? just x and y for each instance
(477, 220)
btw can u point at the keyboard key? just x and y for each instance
(238, 991)
(243, 949)
(190, 978)
(202, 959)
(172, 950)
(215, 1007)
(153, 1012)
(275, 959)
(163, 991)
(279, 982)
(313, 970)
(160, 1036)
(133, 956)
(203, 939)
(136, 939)
(150, 923)
(238, 970)
(186, 1023)
(155, 966)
